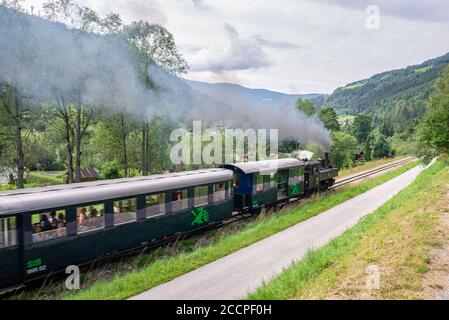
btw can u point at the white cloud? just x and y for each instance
(238, 54)
(317, 45)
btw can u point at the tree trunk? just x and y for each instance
(124, 147)
(69, 148)
(147, 149)
(20, 183)
(144, 150)
(64, 114)
(78, 145)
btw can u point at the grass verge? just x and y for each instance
(160, 271)
(396, 238)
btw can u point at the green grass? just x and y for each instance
(354, 86)
(371, 240)
(161, 271)
(7, 187)
(423, 70)
(41, 180)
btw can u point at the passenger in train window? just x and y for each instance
(52, 216)
(82, 217)
(37, 229)
(90, 217)
(45, 224)
(61, 220)
(53, 220)
(92, 212)
(48, 226)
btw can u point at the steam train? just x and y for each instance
(44, 230)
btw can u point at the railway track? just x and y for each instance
(177, 237)
(369, 173)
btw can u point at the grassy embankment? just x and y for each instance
(127, 284)
(397, 238)
(36, 179)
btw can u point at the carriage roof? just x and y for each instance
(91, 192)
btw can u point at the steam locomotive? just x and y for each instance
(44, 230)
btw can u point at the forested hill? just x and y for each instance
(380, 94)
(235, 95)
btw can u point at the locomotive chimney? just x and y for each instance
(326, 157)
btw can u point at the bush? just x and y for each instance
(111, 170)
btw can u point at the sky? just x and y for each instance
(293, 46)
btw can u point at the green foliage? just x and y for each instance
(329, 117)
(157, 44)
(343, 148)
(381, 147)
(361, 128)
(306, 106)
(403, 145)
(434, 129)
(395, 100)
(111, 170)
(381, 92)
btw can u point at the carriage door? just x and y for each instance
(9, 251)
(282, 184)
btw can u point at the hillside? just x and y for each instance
(379, 94)
(233, 94)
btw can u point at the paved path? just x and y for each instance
(233, 276)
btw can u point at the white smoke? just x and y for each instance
(45, 60)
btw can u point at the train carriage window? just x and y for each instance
(201, 196)
(180, 200)
(259, 183)
(229, 190)
(90, 218)
(155, 205)
(8, 232)
(219, 190)
(237, 181)
(273, 181)
(125, 211)
(49, 225)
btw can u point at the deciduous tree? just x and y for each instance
(434, 129)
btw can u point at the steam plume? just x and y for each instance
(45, 59)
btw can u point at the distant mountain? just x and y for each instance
(233, 94)
(381, 93)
